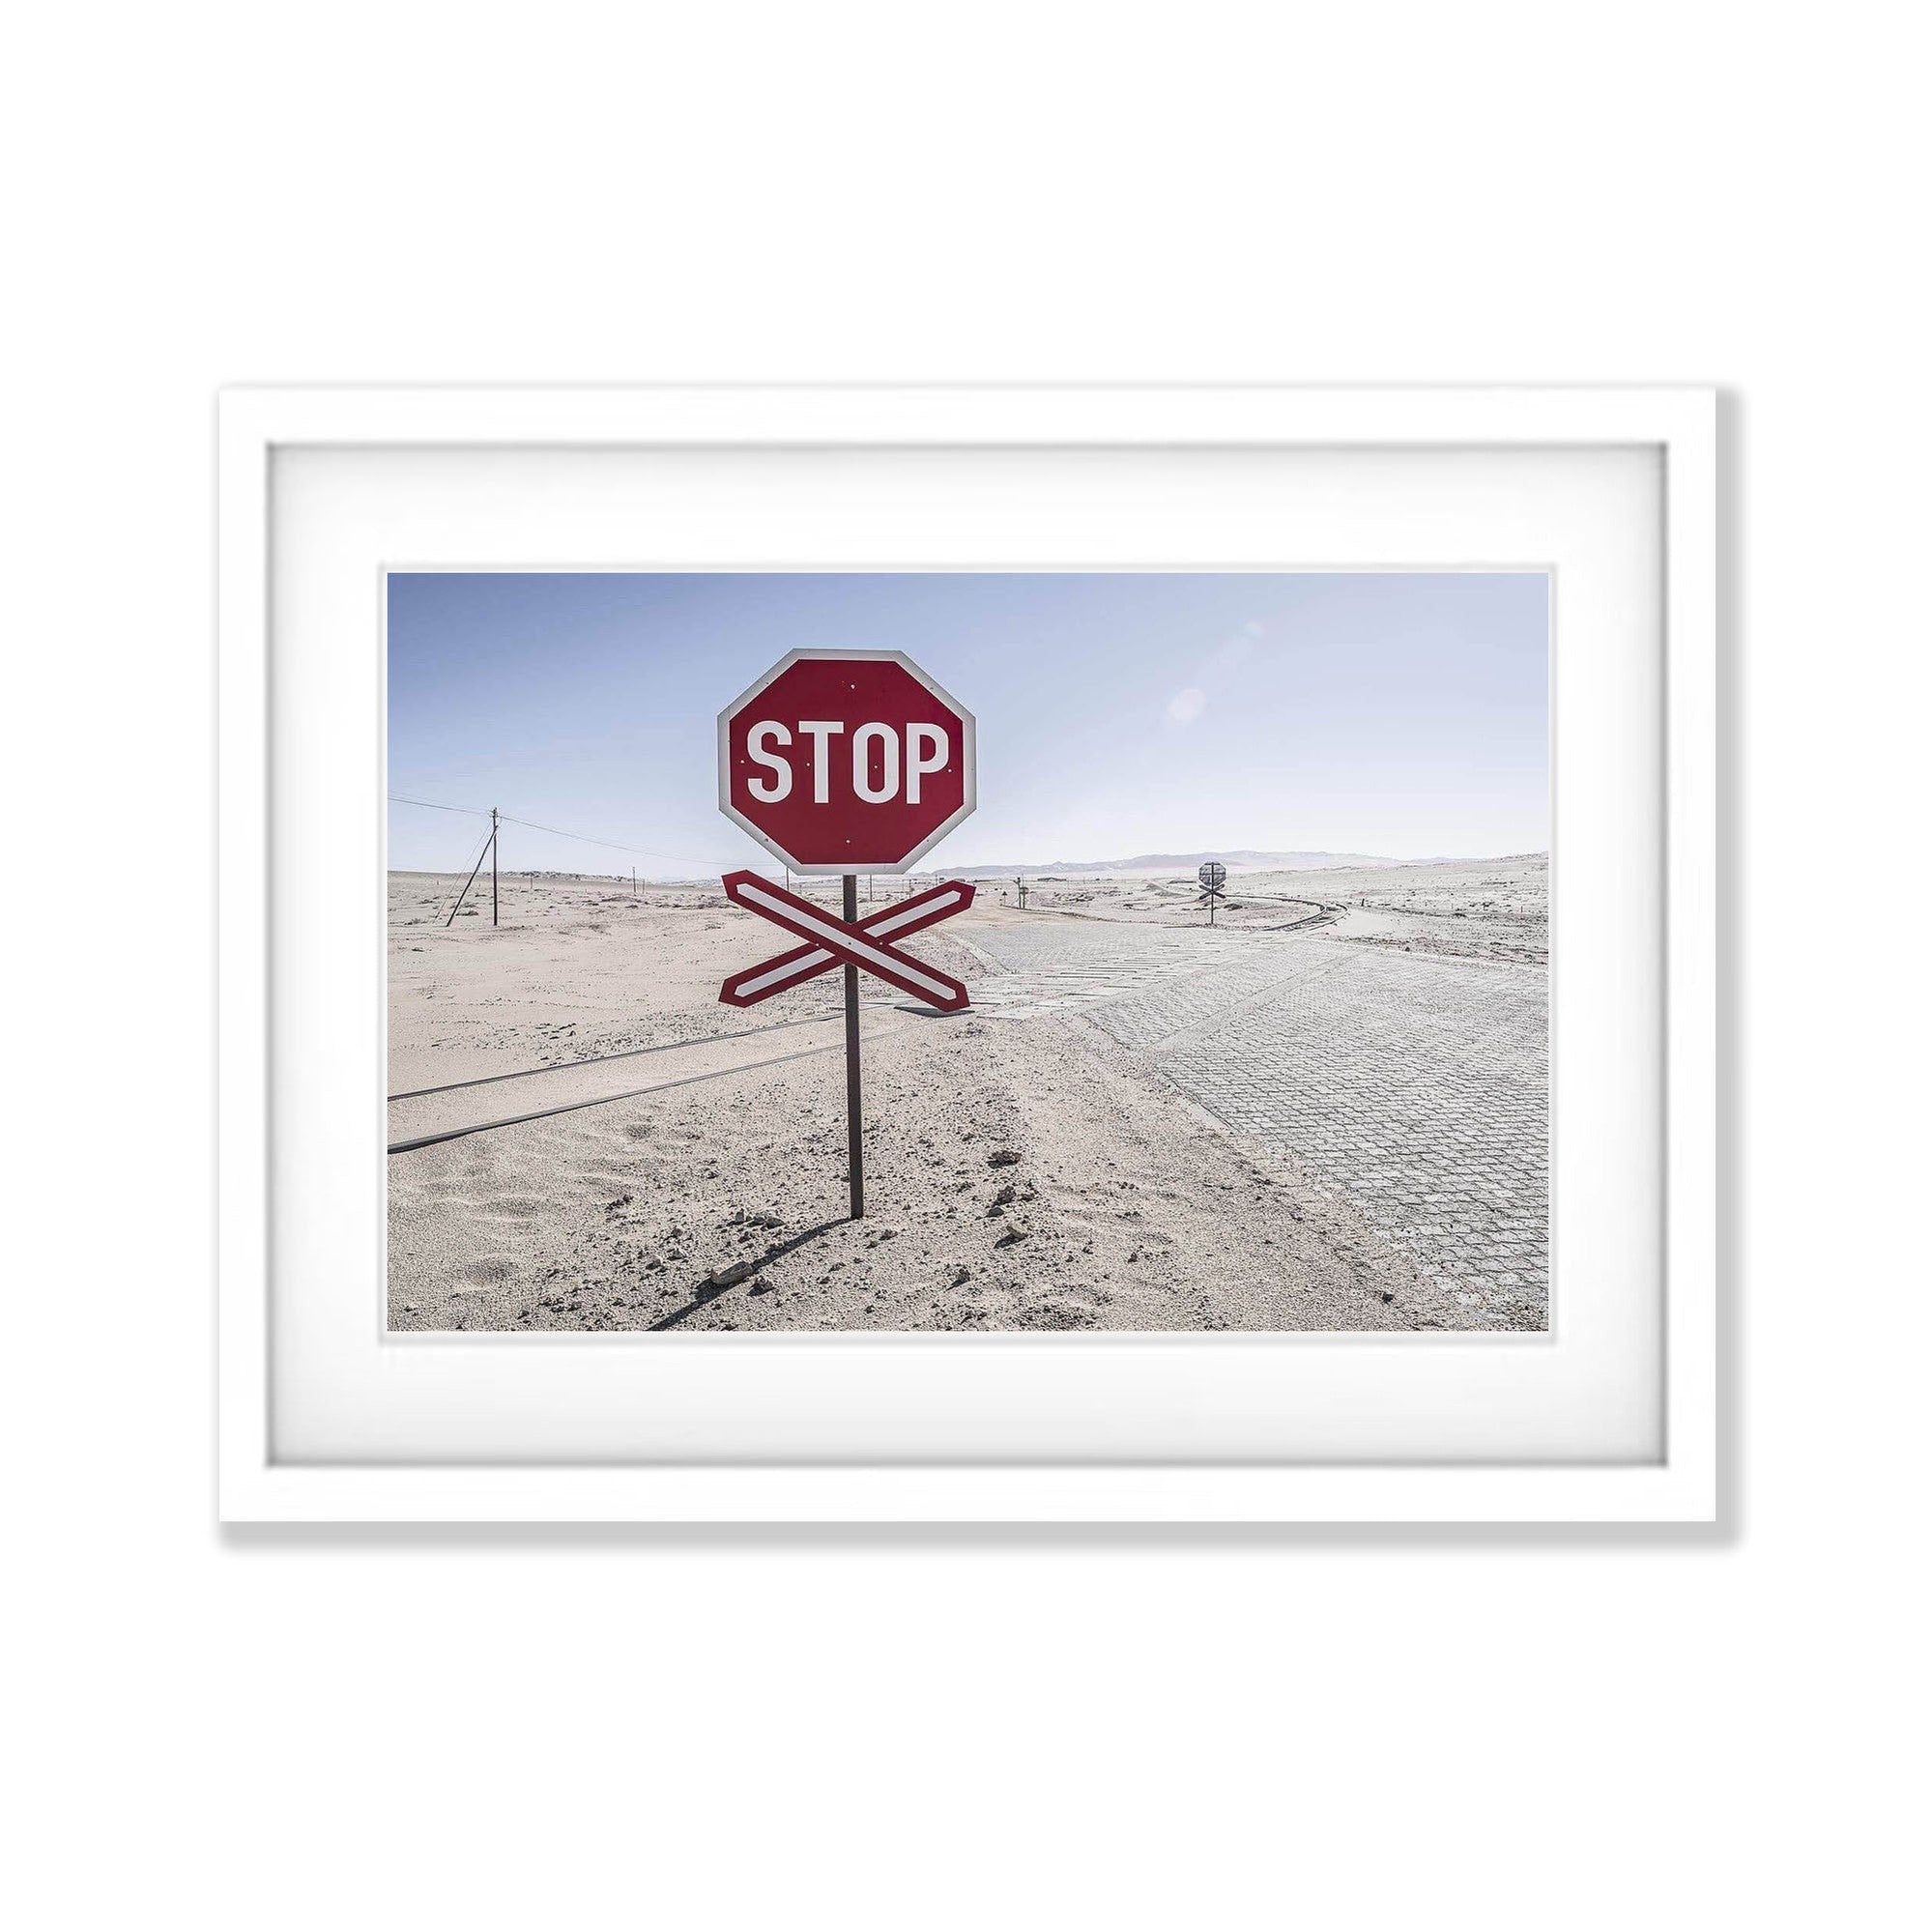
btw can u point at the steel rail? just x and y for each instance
(605, 1100)
(631, 1052)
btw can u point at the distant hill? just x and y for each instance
(1235, 861)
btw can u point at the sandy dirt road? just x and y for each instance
(1033, 1178)
(1412, 1084)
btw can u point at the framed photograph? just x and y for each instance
(963, 954)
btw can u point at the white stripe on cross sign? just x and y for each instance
(832, 942)
(803, 963)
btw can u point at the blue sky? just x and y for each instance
(1397, 713)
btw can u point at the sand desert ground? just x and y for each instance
(1463, 909)
(1327, 1112)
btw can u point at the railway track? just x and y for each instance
(429, 1116)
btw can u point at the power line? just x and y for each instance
(615, 845)
(705, 865)
(430, 804)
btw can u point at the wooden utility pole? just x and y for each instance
(854, 1144)
(490, 846)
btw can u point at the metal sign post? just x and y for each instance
(854, 1132)
(840, 763)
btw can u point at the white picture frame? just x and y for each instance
(1670, 430)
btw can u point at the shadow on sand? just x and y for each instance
(708, 1293)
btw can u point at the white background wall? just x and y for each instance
(1376, 1729)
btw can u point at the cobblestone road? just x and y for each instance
(1417, 1085)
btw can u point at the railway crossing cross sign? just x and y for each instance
(1213, 875)
(839, 762)
(863, 944)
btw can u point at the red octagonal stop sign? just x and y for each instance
(846, 760)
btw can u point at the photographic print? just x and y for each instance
(984, 952)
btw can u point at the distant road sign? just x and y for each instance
(1213, 875)
(846, 762)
